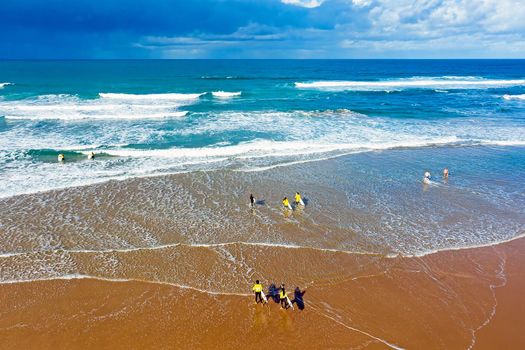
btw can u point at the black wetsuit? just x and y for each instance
(252, 200)
(273, 293)
(298, 298)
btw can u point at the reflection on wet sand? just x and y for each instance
(447, 300)
(170, 261)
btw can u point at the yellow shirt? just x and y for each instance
(286, 203)
(257, 288)
(297, 198)
(282, 294)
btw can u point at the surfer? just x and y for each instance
(91, 155)
(61, 157)
(252, 201)
(283, 297)
(286, 203)
(298, 199)
(445, 173)
(298, 298)
(257, 289)
(426, 177)
(273, 292)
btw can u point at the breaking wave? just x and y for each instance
(445, 83)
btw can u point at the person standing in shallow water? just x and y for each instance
(298, 199)
(283, 297)
(286, 203)
(258, 289)
(252, 201)
(298, 298)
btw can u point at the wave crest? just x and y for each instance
(225, 94)
(142, 97)
(411, 83)
(514, 97)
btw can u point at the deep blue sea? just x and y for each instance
(152, 117)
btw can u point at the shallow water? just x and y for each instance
(159, 117)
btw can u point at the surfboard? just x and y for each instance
(264, 298)
(289, 303)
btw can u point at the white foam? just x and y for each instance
(514, 97)
(120, 280)
(265, 148)
(2, 85)
(78, 116)
(412, 83)
(70, 107)
(224, 94)
(143, 97)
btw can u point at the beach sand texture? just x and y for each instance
(168, 262)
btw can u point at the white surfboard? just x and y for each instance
(289, 303)
(264, 298)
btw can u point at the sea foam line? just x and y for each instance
(261, 244)
(120, 280)
(2, 85)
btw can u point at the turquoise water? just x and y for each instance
(146, 118)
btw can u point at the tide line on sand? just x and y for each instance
(256, 244)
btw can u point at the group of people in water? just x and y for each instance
(62, 157)
(427, 176)
(278, 295)
(298, 200)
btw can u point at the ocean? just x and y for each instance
(392, 120)
(155, 237)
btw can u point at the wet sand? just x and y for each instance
(168, 262)
(451, 299)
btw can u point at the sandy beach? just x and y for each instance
(169, 262)
(459, 299)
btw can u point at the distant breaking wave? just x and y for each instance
(445, 82)
(108, 106)
(169, 96)
(2, 85)
(514, 97)
(224, 94)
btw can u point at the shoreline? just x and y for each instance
(492, 144)
(167, 306)
(263, 244)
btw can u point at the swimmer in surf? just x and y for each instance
(445, 173)
(61, 157)
(426, 178)
(91, 155)
(252, 201)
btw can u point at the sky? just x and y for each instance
(106, 29)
